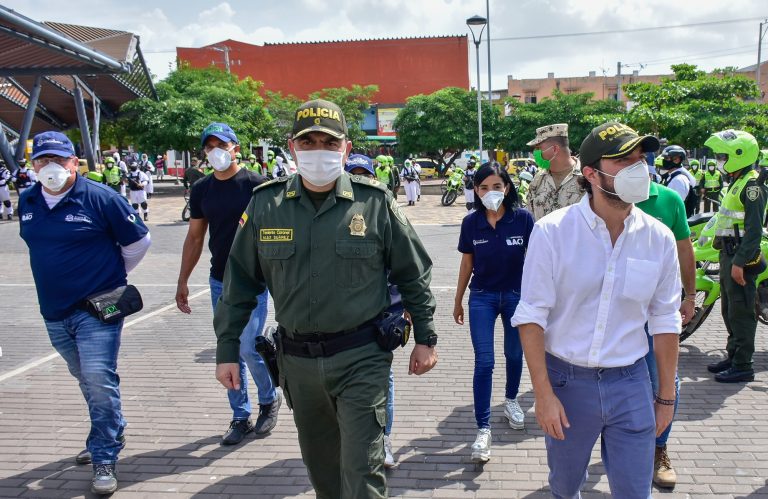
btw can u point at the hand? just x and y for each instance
(182, 298)
(687, 309)
(551, 415)
(737, 274)
(458, 313)
(228, 375)
(423, 358)
(664, 414)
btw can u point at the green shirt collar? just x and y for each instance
(343, 187)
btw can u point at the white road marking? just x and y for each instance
(37, 362)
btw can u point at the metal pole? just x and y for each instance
(618, 81)
(95, 138)
(479, 108)
(759, 56)
(85, 135)
(226, 58)
(488, 37)
(6, 152)
(29, 116)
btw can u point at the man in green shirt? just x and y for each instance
(322, 242)
(665, 205)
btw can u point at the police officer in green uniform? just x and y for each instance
(322, 242)
(711, 185)
(95, 175)
(113, 176)
(253, 164)
(270, 165)
(738, 232)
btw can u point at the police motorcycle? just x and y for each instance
(453, 186)
(708, 274)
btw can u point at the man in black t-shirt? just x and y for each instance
(216, 203)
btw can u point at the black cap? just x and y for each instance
(613, 140)
(319, 116)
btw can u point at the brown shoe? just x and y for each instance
(664, 475)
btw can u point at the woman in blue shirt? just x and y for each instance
(493, 242)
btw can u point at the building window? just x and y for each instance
(612, 93)
(530, 98)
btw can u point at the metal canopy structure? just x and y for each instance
(56, 76)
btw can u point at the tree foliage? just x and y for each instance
(190, 99)
(688, 108)
(579, 111)
(443, 124)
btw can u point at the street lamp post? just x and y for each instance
(478, 21)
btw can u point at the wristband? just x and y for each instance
(662, 401)
(692, 300)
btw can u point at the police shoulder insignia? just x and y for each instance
(274, 181)
(752, 192)
(357, 225)
(243, 219)
(395, 209)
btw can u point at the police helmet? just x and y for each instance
(737, 148)
(694, 162)
(671, 152)
(270, 154)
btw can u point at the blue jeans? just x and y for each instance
(250, 360)
(393, 309)
(90, 349)
(484, 307)
(650, 359)
(615, 404)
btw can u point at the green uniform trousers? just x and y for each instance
(339, 406)
(738, 307)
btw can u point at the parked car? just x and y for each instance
(429, 167)
(516, 165)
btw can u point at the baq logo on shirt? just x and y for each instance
(515, 241)
(78, 218)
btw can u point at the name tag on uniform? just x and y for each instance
(275, 235)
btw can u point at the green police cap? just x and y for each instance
(319, 116)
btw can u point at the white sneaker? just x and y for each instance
(481, 449)
(389, 459)
(514, 414)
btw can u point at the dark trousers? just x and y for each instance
(738, 307)
(708, 198)
(339, 407)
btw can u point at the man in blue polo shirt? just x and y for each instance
(83, 239)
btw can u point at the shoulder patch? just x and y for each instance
(371, 182)
(397, 212)
(752, 192)
(274, 181)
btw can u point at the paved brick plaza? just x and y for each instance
(177, 411)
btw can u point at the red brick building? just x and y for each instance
(401, 67)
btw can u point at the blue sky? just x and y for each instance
(164, 25)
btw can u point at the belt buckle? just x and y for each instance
(316, 349)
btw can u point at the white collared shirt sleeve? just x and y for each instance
(538, 291)
(664, 306)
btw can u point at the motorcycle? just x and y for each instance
(186, 212)
(453, 186)
(708, 274)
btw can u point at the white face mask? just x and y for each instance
(219, 158)
(492, 200)
(721, 166)
(631, 183)
(319, 167)
(53, 176)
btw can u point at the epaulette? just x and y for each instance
(370, 182)
(274, 181)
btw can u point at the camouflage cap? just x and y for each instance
(319, 116)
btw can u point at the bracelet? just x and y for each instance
(690, 294)
(662, 401)
(692, 300)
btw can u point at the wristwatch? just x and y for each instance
(430, 341)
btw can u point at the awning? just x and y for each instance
(382, 138)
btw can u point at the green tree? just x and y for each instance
(689, 107)
(282, 110)
(190, 99)
(579, 111)
(353, 102)
(443, 124)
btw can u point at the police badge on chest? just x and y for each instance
(357, 225)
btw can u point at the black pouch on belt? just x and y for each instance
(111, 306)
(393, 331)
(267, 345)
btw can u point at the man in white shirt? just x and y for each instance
(582, 314)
